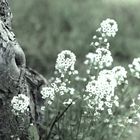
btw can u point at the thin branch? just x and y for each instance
(57, 118)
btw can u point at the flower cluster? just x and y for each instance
(96, 95)
(100, 59)
(48, 92)
(20, 103)
(108, 28)
(65, 60)
(100, 42)
(120, 74)
(63, 88)
(101, 91)
(136, 108)
(69, 101)
(135, 67)
(60, 86)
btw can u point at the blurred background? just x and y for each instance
(46, 27)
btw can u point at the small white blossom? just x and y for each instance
(110, 125)
(59, 87)
(105, 40)
(100, 38)
(91, 57)
(101, 58)
(106, 120)
(108, 27)
(101, 92)
(20, 103)
(135, 67)
(65, 60)
(57, 80)
(48, 93)
(109, 111)
(100, 42)
(42, 108)
(71, 90)
(130, 121)
(138, 97)
(121, 125)
(69, 101)
(88, 71)
(138, 115)
(120, 74)
(77, 78)
(133, 103)
(96, 43)
(94, 37)
(49, 102)
(116, 103)
(106, 58)
(75, 72)
(108, 77)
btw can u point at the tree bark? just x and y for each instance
(16, 78)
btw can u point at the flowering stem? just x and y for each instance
(79, 123)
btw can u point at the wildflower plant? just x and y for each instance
(96, 104)
(20, 103)
(135, 67)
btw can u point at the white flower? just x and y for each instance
(20, 103)
(116, 103)
(42, 108)
(138, 97)
(106, 120)
(120, 74)
(107, 76)
(48, 93)
(109, 111)
(110, 125)
(69, 101)
(91, 57)
(133, 103)
(65, 60)
(101, 58)
(135, 67)
(61, 88)
(75, 72)
(101, 92)
(106, 58)
(71, 90)
(91, 86)
(94, 37)
(105, 40)
(57, 80)
(96, 43)
(108, 27)
(138, 115)
(130, 121)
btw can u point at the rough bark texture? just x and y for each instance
(16, 78)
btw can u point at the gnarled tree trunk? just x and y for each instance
(16, 78)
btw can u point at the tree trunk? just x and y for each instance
(16, 78)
